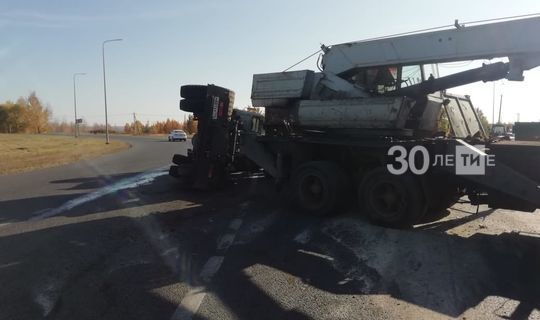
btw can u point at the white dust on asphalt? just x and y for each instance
(126, 183)
(47, 296)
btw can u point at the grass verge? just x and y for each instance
(25, 152)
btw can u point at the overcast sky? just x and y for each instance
(169, 43)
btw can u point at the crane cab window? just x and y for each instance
(376, 80)
(410, 75)
(380, 80)
(431, 71)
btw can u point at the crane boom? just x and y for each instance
(516, 39)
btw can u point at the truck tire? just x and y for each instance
(318, 187)
(193, 91)
(389, 200)
(192, 105)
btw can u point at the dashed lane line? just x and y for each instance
(235, 224)
(211, 267)
(190, 304)
(225, 241)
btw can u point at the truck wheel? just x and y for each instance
(192, 105)
(392, 200)
(318, 187)
(193, 91)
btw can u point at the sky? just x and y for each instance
(173, 42)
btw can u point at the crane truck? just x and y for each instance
(374, 126)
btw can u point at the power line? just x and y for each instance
(299, 62)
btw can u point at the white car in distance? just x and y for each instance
(177, 135)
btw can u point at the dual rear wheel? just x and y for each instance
(321, 188)
(194, 98)
(391, 200)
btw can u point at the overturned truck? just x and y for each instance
(375, 127)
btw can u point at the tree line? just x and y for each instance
(26, 115)
(137, 127)
(30, 115)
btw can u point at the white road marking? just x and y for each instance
(11, 264)
(169, 251)
(41, 211)
(127, 183)
(256, 227)
(190, 304)
(244, 204)
(77, 243)
(316, 254)
(130, 200)
(225, 241)
(235, 224)
(303, 237)
(211, 267)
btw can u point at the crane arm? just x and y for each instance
(516, 39)
(488, 72)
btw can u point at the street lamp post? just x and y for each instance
(75, 101)
(105, 88)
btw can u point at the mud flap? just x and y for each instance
(257, 153)
(507, 188)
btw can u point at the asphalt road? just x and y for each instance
(51, 187)
(42, 260)
(116, 238)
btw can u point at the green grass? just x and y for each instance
(24, 152)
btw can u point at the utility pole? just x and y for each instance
(76, 128)
(134, 124)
